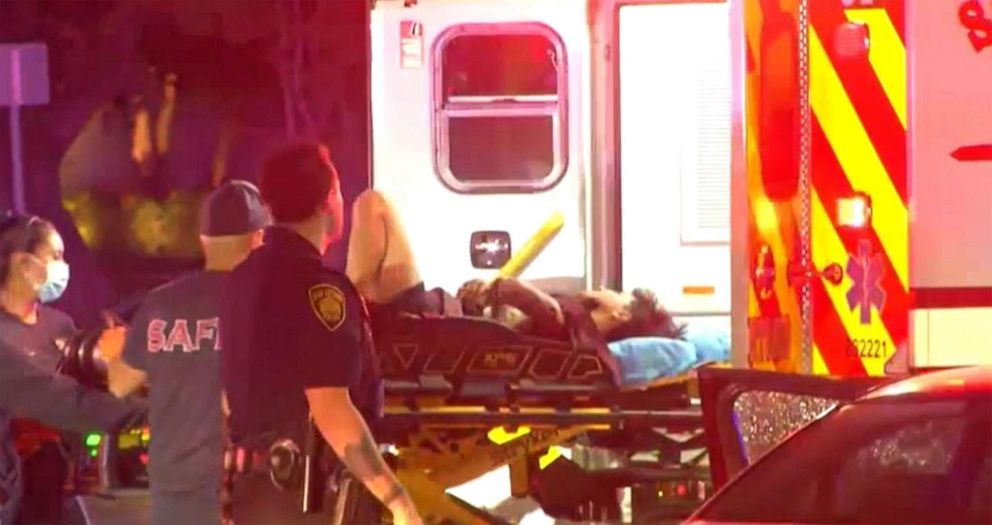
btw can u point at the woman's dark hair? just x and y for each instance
(647, 319)
(20, 233)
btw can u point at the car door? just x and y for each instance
(747, 412)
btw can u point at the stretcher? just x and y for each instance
(465, 396)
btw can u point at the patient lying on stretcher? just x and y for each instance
(382, 266)
(638, 332)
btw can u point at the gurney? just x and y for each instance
(465, 396)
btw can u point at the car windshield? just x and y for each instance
(884, 462)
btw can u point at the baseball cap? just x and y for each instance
(234, 208)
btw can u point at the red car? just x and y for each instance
(912, 452)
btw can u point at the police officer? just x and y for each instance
(174, 343)
(296, 343)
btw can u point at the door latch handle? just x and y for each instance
(797, 274)
(833, 274)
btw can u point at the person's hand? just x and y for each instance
(111, 319)
(474, 296)
(111, 344)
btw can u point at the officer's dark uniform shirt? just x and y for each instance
(290, 324)
(174, 337)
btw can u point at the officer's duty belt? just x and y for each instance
(241, 460)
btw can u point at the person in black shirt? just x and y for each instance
(297, 346)
(174, 342)
(32, 273)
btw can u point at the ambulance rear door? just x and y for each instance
(674, 108)
(477, 132)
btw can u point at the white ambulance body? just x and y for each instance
(950, 169)
(487, 117)
(626, 117)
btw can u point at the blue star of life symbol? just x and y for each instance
(866, 270)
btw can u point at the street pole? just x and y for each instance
(16, 160)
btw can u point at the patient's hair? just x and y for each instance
(647, 319)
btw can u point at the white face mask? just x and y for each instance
(56, 281)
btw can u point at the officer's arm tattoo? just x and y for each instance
(363, 460)
(367, 466)
(348, 434)
(394, 494)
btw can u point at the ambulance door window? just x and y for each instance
(500, 100)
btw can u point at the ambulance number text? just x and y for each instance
(867, 348)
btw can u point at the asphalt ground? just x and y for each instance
(490, 492)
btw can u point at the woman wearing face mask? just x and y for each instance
(32, 274)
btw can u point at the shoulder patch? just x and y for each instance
(327, 302)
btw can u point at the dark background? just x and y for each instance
(249, 75)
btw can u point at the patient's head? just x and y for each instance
(625, 315)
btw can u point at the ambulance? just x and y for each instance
(824, 193)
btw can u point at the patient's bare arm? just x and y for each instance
(543, 310)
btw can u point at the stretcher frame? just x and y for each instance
(440, 423)
(442, 439)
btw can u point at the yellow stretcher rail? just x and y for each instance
(428, 472)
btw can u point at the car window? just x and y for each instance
(924, 463)
(897, 476)
(764, 419)
(981, 500)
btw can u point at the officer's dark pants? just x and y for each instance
(194, 507)
(256, 501)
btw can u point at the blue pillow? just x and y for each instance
(645, 359)
(712, 344)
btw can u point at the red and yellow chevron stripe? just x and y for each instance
(858, 146)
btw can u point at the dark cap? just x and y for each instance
(234, 208)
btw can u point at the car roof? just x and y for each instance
(954, 381)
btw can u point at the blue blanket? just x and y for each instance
(646, 359)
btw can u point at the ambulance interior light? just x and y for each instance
(854, 211)
(490, 249)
